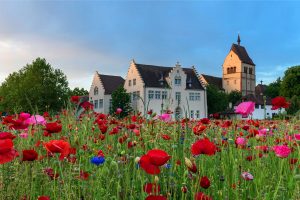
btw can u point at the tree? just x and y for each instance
(37, 87)
(294, 105)
(78, 92)
(217, 100)
(120, 99)
(273, 89)
(290, 85)
(234, 96)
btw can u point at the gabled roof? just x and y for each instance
(111, 83)
(151, 75)
(212, 80)
(260, 89)
(242, 54)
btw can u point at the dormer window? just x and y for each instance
(177, 80)
(96, 91)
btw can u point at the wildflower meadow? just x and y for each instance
(98, 156)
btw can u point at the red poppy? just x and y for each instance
(156, 197)
(148, 166)
(165, 137)
(202, 196)
(87, 105)
(205, 121)
(44, 198)
(58, 146)
(279, 102)
(204, 182)
(198, 129)
(203, 146)
(84, 175)
(7, 152)
(29, 155)
(151, 188)
(50, 172)
(7, 135)
(158, 157)
(53, 127)
(75, 99)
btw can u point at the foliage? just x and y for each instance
(234, 97)
(120, 99)
(273, 89)
(294, 105)
(108, 165)
(78, 92)
(36, 87)
(290, 85)
(217, 101)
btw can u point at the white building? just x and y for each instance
(162, 89)
(101, 90)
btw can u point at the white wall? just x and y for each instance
(92, 97)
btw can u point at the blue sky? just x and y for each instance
(81, 37)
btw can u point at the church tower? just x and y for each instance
(238, 70)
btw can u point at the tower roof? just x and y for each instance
(242, 54)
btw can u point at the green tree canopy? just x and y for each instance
(217, 100)
(120, 99)
(290, 85)
(37, 87)
(234, 96)
(78, 92)
(273, 89)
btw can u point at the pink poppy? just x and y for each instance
(282, 151)
(247, 176)
(165, 117)
(245, 108)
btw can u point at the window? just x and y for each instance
(198, 114)
(197, 96)
(133, 96)
(178, 96)
(164, 94)
(192, 97)
(245, 70)
(228, 71)
(92, 102)
(150, 94)
(96, 104)
(134, 82)
(157, 94)
(234, 69)
(256, 106)
(100, 103)
(250, 70)
(129, 83)
(137, 94)
(177, 80)
(262, 106)
(96, 91)
(227, 82)
(235, 82)
(192, 114)
(110, 103)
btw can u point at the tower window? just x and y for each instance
(250, 70)
(245, 70)
(227, 82)
(234, 81)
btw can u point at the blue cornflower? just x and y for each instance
(168, 166)
(97, 160)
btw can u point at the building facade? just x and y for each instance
(239, 70)
(101, 90)
(163, 89)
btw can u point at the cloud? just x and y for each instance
(77, 61)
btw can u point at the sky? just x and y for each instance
(81, 37)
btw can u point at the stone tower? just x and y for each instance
(238, 70)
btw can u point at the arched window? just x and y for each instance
(228, 71)
(96, 91)
(234, 69)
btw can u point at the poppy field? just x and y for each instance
(147, 157)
